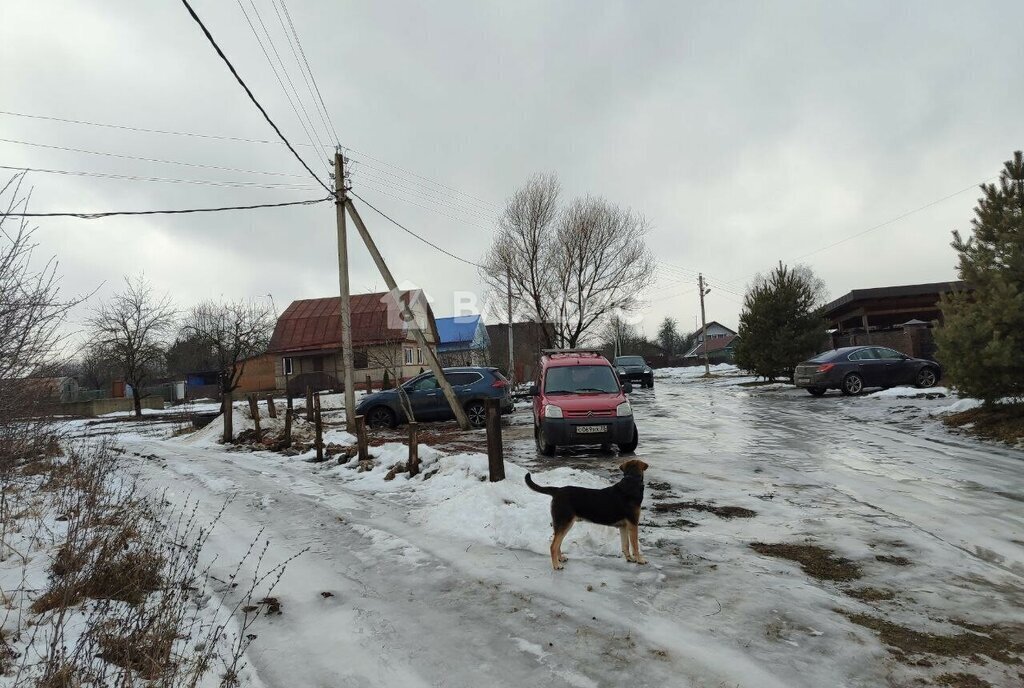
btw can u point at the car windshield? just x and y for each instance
(629, 361)
(580, 379)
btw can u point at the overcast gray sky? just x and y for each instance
(746, 133)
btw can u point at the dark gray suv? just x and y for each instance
(472, 385)
(634, 369)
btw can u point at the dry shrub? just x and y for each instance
(145, 651)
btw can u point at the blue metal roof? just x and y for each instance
(461, 328)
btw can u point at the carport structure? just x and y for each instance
(884, 308)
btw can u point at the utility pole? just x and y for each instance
(341, 197)
(703, 323)
(511, 355)
(407, 316)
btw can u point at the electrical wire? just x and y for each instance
(252, 97)
(424, 196)
(309, 69)
(425, 207)
(414, 234)
(94, 216)
(158, 160)
(284, 88)
(204, 182)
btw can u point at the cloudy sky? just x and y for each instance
(746, 133)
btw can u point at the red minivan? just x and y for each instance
(578, 399)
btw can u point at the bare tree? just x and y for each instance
(390, 358)
(574, 268)
(32, 312)
(132, 329)
(232, 332)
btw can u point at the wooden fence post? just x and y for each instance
(309, 403)
(254, 411)
(414, 450)
(319, 429)
(369, 385)
(364, 450)
(288, 427)
(271, 409)
(495, 451)
(228, 410)
(290, 405)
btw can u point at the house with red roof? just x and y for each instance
(721, 344)
(306, 344)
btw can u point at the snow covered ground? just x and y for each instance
(444, 579)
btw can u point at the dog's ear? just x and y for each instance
(631, 464)
(643, 465)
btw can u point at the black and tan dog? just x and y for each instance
(617, 506)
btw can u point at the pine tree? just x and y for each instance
(981, 344)
(780, 324)
(668, 336)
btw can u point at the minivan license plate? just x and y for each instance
(590, 429)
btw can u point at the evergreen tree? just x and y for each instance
(981, 344)
(668, 336)
(780, 324)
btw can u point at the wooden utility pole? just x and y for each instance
(495, 451)
(511, 356)
(703, 324)
(409, 318)
(341, 198)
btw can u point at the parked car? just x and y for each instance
(634, 369)
(852, 369)
(578, 399)
(472, 385)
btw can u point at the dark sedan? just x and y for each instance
(472, 385)
(855, 368)
(634, 369)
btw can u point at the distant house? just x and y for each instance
(306, 344)
(899, 317)
(462, 340)
(721, 343)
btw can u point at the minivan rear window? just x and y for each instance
(580, 379)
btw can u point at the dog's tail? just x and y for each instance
(539, 488)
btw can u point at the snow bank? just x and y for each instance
(962, 405)
(452, 496)
(910, 393)
(690, 372)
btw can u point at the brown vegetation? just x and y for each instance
(1004, 422)
(814, 560)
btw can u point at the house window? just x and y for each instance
(286, 363)
(408, 356)
(419, 355)
(360, 359)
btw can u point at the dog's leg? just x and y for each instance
(624, 536)
(556, 544)
(634, 536)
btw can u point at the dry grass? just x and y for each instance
(720, 511)
(815, 561)
(990, 641)
(1004, 422)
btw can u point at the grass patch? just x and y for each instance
(871, 594)
(815, 561)
(720, 511)
(1004, 422)
(989, 641)
(962, 681)
(893, 560)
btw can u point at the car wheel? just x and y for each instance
(477, 413)
(816, 391)
(926, 377)
(630, 447)
(650, 382)
(853, 384)
(543, 448)
(381, 417)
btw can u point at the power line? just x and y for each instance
(428, 197)
(278, 76)
(204, 182)
(158, 160)
(476, 205)
(295, 33)
(94, 216)
(425, 207)
(242, 139)
(414, 234)
(249, 93)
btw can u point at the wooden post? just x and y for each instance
(290, 402)
(271, 409)
(288, 427)
(227, 410)
(309, 403)
(495, 451)
(254, 411)
(364, 450)
(414, 450)
(369, 385)
(345, 306)
(319, 429)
